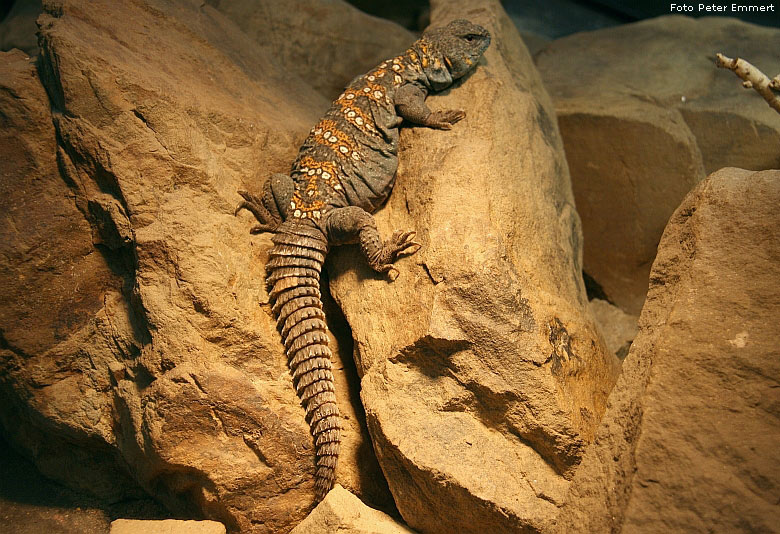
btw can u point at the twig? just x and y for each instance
(753, 78)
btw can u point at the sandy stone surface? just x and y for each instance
(689, 440)
(483, 375)
(644, 116)
(326, 44)
(165, 526)
(344, 513)
(55, 283)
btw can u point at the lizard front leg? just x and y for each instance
(353, 224)
(410, 104)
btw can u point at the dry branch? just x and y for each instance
(754, 78)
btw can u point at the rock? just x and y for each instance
(326, 44)
(134, 353)
(625, 194)
(618, 328)
(411, 14)
(56, 289)
(644, 115)
(534, 41)
(17, 29)
(483, 375)
(342, 512)
(689, 440)
(113, 274)
(166, 526)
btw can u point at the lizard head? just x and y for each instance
(461, 45)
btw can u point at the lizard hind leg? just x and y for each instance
(266, 221)
(351, 224)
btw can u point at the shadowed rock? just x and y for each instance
(645, 115)
(134, 352)
(618, 328)
(326, 44)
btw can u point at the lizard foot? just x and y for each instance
(443, 120)
(400, 244)
(267, 222)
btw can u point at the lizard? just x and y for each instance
(345, 170)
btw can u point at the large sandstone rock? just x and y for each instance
(134, 352)
(483, 376)
(325, 43)
(689, 440)
(342, 512)
(57, 290)
(644, 115)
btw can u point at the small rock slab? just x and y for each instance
(342, 512)
(165, 526)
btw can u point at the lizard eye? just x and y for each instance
(471, 38)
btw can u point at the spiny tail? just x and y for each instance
(293, 276)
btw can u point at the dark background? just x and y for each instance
(556, 18)
(548, 18)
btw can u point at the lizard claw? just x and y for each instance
(392, 273)
(244, 205)
(261, 228)
(248, 197)
(387, 269)
(251, 203)
(443, 120)
(401, 243)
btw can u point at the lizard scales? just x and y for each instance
(344, 171)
